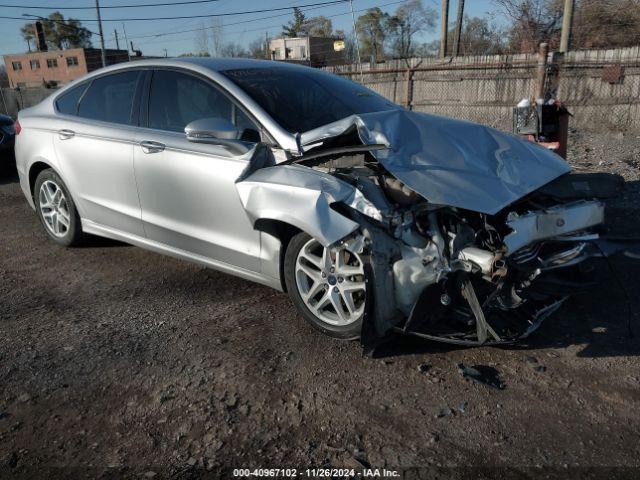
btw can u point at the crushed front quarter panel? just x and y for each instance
(301, 197)
(450, 162)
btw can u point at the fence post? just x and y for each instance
(409, 99)
(541, 72)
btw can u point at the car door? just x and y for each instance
(94, 142)
(187, 190)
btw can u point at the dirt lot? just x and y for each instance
(118, 361)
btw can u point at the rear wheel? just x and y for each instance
(56, 209)
(327, 286)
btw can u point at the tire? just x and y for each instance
(338, 282)
(56, 210)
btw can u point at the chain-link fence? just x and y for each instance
(600, 87)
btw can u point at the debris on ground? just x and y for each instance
(424, 367)
(533, 361)
(444, 412)
(484, 374)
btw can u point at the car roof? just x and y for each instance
(213, 64)
(221, 64)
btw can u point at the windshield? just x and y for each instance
(303, 99)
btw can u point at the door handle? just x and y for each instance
(151, 147)
(66, 134)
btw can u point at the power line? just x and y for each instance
(226, 14)
(154, 35)
(261, 28)
(48, 7)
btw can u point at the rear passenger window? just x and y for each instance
(110, 98)
(68, 102)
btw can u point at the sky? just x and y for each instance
(153, 37)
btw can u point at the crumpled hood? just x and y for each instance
(451, 162)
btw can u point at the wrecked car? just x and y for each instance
(374, 219)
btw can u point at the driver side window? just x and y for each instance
(176, 99)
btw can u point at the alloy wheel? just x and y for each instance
(331, 283)
(54, 208)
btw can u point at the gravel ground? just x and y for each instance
(116, 361)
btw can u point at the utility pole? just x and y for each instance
(567, 25)
(355, 35)
(541, 71)
(104, 56)
(115, 34)
(267, 53)
(126, 41)
(445, 28)
(456, 39)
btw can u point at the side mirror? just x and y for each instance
(211, 128)
(216, 131)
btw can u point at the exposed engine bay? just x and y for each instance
(470, 278)
(469, 235)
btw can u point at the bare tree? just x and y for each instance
(532, 22)
(409, 20)
(372, 32)
(217, 41)
(479, 37)
(202, 42)
(601, 24)
(257, 48)
(319, 26)
(234, 50)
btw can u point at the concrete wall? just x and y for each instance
(485, 88)
(15, 101)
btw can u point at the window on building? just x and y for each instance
(16, 66)
(302, 52)
(52, 63)
(278, 53)
(110, 98)
(35, 64)
(72, 61)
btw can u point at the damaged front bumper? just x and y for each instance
(481, 297)
(552, 222)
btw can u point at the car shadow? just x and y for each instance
(8, 172)
(604, 322)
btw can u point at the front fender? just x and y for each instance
(299, 196)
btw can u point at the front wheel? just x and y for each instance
(327, 286)
(56, 209)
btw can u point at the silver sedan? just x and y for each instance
(373, 218)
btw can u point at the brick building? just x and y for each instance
(56, 67)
